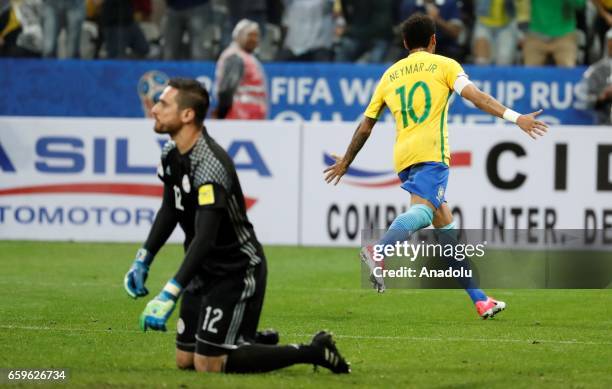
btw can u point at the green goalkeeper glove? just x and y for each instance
(158, 310)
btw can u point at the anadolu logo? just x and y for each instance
(366, 178)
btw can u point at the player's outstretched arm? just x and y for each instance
(485, 102)
(335, 172)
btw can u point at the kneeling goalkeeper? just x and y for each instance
(222, 278)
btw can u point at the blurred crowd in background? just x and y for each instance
(502, 32)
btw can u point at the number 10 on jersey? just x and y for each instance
(406, 101)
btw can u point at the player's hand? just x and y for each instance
(335, 172)
(158, 310)
(531, 126)
(134, 280)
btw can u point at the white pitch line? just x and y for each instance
(119, 285)
(60, 329)
(483, 340)
(61, 284)
(367, 337)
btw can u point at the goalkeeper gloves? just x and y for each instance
(159, 309)
(134, 280)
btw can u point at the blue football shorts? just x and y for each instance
(427, 180)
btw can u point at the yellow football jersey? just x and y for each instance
(416, 89)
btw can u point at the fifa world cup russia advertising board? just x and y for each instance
(321, 92)
(95, 179)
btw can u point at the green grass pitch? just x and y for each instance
(63, 306)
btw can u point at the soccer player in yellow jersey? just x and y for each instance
(416, 90)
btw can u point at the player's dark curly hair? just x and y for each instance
(417, 29)
(191, 94)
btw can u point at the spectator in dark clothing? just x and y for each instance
(603, 22)
(369, 29)
(255, 10)
(192, 17)
(142, 9)
(447, 15)
(9, 29)
(120, 30)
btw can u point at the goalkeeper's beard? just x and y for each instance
(170, 129)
